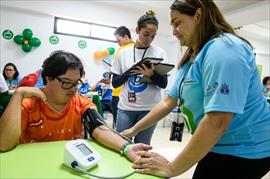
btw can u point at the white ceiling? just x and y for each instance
(162, 6)
(250, 15)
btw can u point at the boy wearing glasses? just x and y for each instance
(55, 113)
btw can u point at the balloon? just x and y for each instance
(26, 48)
(105, 53)
(34, 42)
(18, 39)
(26, 40)
(98, 55)
(111, 50)
(27, 34)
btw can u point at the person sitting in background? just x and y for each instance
(55, 112)
(85, 87)
(104, 88)
(11, 75)
(266, 84)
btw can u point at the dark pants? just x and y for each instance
(115, 100)
(220, 166)
(106, 106)
(4, 100)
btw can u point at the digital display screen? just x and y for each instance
(84, 150)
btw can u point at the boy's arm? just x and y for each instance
(10, 121)
(93, 88)
(116, 142)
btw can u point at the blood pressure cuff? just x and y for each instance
(91, 120)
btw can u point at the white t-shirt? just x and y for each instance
(147, 95)
(3, 84)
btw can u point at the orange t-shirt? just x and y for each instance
(40, 122)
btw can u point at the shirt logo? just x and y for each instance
(135, 85)
(224, 89)
(212, 89)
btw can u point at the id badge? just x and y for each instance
(177, 131)
(131, 96)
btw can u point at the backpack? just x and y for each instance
(30, 79)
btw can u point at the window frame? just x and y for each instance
(83, 22)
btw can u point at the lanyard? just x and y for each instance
(134, 58)
(134, 53)
(181, 86)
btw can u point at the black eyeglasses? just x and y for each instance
(69, 85)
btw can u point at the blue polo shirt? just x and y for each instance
(224, 78)
(14, 83)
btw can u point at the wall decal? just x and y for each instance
(27, 40)
(7, 34)
(82, 44)
(54, 39)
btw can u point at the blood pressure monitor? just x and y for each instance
(80, 152)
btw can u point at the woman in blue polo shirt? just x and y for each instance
(218, 89)
(11, 75)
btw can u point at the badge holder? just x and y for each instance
(131, 96)
(177, 129)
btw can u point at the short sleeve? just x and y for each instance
(3, 84)
(116, 66)
(174, 91)
(86, 103)
(98, 87)
(226, 77)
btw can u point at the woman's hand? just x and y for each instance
(152, 163)
(128, 133)
(144, 70)
(30, 92)
(132, 151)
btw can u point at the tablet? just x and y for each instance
(160, 68)
(163, 68)
(147, 61)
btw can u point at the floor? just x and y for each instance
(169, 149)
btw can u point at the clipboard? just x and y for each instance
(160, 68)
(146, 61)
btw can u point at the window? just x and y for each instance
(98, 31)
(84, 29)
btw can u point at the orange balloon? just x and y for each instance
(105, 53)
(97, 55)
